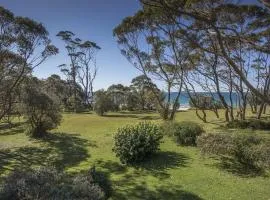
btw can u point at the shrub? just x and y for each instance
(242, 124)
(74, 104)
(99, 185)
(41, 111)
(134, 143)
(30, 184)
(253, 124)
(103, 103)
(259, 124)
(249, 150)
(47, 183)
(219, 144)
(184, 133)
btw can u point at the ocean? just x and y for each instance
(184, 98)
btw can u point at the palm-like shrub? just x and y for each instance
(133, 144)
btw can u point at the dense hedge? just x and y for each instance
(48, 183)
(250, 150)
(184, 133)
(135, 143)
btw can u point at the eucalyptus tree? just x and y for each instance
(261, 68)
(24, 45)
(119, 95)
(82, 69)
(60, 89)
(39, 108)
(87, 69)
(142, 86)
(71, 71)
(148, 41)
(237, 30)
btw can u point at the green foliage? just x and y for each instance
(143, 87)
(25, 45)
(184, 133)
(132, 102)
(102, 103)
(135, 143)
(48, 183)
(250, 150)
(41, 111)
(252, 123)
(118, 95)
(220, 144)
(91, 185)
(74, 104)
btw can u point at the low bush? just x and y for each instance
(250, 150)
(41, 111)
(103, 103)
(91, 185)
(94, 177)
(47, 183)
(252, 123)
(134, 143)
(184, 133)
(259, 124)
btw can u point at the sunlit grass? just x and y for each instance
(175, 173)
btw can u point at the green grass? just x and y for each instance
(84, 140)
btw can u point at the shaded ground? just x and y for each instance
(60, 150)
(12, 129)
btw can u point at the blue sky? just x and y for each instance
(90, 20)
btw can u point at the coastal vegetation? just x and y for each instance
(61, 138)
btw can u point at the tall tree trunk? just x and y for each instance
(260, 111)
(203, 118)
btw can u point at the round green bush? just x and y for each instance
(135, 143)
(184, 133)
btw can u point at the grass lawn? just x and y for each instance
(85, 140)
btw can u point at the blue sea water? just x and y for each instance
(184, 98)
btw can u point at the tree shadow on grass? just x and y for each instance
(60, 150)
(12, 129)
(233, 166)
(140, 191)
(111, 166)
(157, 167)
(161, 162)
(70, 148)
